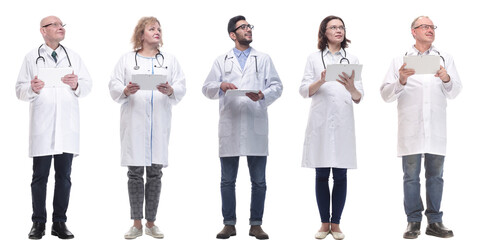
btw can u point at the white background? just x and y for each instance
(195, 32)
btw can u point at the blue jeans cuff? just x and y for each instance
(255, 223)
(229, 222)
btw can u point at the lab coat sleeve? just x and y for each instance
(212, 86)
(178, 83)
(273, 84)
(358, 83)
(84, 80)
(117, 82)
(391, 87)
(453, 87)
(23, 86)
(308, 78)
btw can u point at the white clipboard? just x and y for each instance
(334, 70)
(424, 64)
(52, 76)
(148, 81)
(239, 92)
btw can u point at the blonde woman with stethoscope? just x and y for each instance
(146, 120)
(330, 136)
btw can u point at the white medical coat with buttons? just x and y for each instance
(54, 112)
(243, 123)
(145, 121)
(421, 105)
(330, 134)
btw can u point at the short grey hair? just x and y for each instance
(416, 19)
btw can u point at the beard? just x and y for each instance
(243, 41)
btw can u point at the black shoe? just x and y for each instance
(226, 232)
(413, 230)
(60, 230)
(37, 231)
(439, 230)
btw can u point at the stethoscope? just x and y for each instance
(342, 59)
(136, 67)
(231, 57)
(442, 58)
(42, 58)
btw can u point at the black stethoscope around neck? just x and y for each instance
(42, 58)
(342, 59)
(136, 67)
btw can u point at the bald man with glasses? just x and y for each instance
(54, 121)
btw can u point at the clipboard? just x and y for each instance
(148, 81)
(334, 70)
(239, 92)
(52, 76)
(424, 64)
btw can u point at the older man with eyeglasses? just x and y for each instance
(422, 101)
(54, 121)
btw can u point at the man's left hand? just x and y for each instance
(71, 80)
(443, 75)
(255, 96)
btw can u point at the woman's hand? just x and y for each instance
(165, 89)
(131, 88)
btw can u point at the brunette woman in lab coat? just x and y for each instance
(146, 120)
(330, 136)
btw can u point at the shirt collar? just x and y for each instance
(238, 52)
(50, 50)
(414, 51)
(341, 52)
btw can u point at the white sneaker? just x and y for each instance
(133, 233)
(154, 232)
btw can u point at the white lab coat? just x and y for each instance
(243, 123)
(330, 135)
(54, 112)
(145, 121)
(421, 105)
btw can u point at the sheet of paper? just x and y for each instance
(148, 81)
(334, 70)
(424, 64)
(239, 92)
(52, 76)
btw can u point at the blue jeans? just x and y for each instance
(322, 193)
(434, 187)
(257, 172)
(61, 198)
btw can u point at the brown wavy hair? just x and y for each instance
(139, 31)
(323, 39)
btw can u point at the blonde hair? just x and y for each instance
(139, 31)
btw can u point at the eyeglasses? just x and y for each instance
(244, 27)
(55, 24)
(335, 28)
(426, 27)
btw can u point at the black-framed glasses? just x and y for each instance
(244, 27)
(55, 24)
(426, 27)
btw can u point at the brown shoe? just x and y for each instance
(226, 232)
(256, 231)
